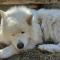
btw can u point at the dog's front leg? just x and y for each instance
(7, 52)
(50, 47)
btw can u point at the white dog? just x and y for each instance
(23, 28)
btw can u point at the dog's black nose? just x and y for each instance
(20, 45)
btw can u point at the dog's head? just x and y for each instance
(16, 25)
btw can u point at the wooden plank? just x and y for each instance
(6, 2)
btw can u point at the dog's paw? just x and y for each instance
(49, 47)
(7, 52)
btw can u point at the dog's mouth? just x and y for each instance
(3, 45)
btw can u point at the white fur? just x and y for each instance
(51, 27)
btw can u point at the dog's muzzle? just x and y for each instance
(20, 45)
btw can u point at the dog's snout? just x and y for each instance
(20, 45)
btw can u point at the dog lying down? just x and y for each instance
(23, 28)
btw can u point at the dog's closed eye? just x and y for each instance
(22, 32)
(17, 33)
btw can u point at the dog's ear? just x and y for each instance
(2, 13)
(3, 19)
(29, 20)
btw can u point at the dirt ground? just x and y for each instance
(35, 54)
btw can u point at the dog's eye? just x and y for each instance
(22, 32)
